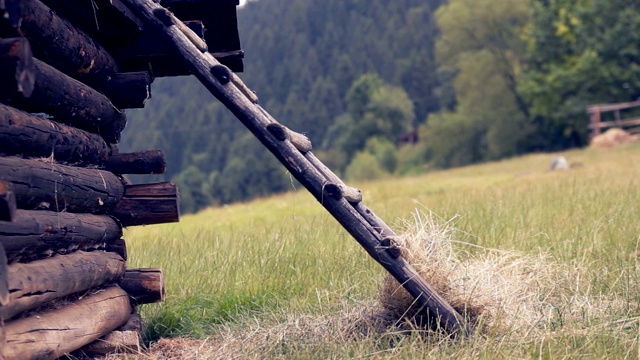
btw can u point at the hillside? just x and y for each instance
(550, 257)
(387, 89)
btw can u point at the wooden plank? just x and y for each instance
(16, 68)
(620, 123)
(34, 136)
(612, 107)
(115, 342)
(144, 286)
(52, 334)
(257, 120)
(129, 90)
(38, 282)
(147, 204)
(49, 186)
(142, 162)
(36, 234)
(58, 42)
(73, 103)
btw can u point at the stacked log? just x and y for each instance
(64, 85)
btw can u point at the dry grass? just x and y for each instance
(508, 296)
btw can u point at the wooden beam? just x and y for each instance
(107, 21)
(115, 342)
(142, 162)
(129, 90)
(612, 107)
(38, 282)
(144, 286)
(256, 120)
(49, 186)
(147, 204)
(16, 68)
(36, 234)
(55, 333)
(34, 136)
(73, 103)
(59, 42)
(8, 205)
(620, 123)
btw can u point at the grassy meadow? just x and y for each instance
(279, 278)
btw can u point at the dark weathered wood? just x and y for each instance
(129, 90)
(142, 162)
(73, 103)
(50, 186)
(256, 120)
(118, 246)
(55, 333)
(35, 234)
(60, 43)
(109, 22)
(4, 281)
(148, 204)
(8, 206)
(34, 136)
(115, 342)
(133, 324)
(16, 68)
(144, 286)
(38, 282)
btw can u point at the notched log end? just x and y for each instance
(278, 131)
(164, 16)
(390, 245)
(222, 73)
(333, 190)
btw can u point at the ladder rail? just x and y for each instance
(366, 227)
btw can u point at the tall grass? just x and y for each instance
(282, 270)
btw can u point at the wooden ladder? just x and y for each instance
(293, 150)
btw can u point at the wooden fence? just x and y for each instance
(596, 125)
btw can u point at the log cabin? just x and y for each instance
(68, 70)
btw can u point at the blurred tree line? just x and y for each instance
(385, 88)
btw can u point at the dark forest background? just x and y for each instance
(386, 88)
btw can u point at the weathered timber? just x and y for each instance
(144, 286)
(4, 281)
(8, 206)
(128, 90)
(118, 246)
(16, 68)
(282, 133)
(55, 333)
(34, 136)
(38, 282)
(254, 118)
(107, 21)
(49, 186)
(147, 204)
(133, 324)
(115, 342)
(142, 162)
(59, 42)
(220, 20)
(73, 103)
(36, 234)
(149, 52)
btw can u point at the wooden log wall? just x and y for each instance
(68, 70)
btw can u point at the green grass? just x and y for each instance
(262, 262)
